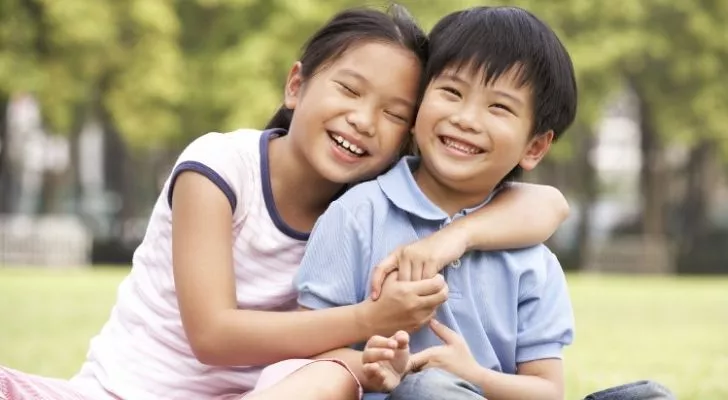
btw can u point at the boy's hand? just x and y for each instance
(385, 361)
(422, 259)
(453, 356)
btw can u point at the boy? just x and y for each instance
(500, 89)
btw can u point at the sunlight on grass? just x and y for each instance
(674, 330)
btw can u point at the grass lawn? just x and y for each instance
(674, 330)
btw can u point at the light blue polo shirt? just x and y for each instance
(510, 306)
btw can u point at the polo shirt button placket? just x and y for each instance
(455, 264)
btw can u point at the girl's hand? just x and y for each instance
(403, 305)
(422, 259)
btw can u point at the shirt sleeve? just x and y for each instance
(333, 270)
(545, 315)
(212, 155)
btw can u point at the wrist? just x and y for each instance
(480, 376)
(460, 231)
(363, 320)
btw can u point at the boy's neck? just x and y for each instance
(300, 194)
(447, 198)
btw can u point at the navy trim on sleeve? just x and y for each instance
(207, 172)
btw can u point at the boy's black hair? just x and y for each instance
(348, 29)
(497, 39)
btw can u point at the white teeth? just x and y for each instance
(349, 146)
(460, 146)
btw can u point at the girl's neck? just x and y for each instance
(300, 194)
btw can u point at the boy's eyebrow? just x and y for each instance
(456, 78)
(361, 78)
(509, 96)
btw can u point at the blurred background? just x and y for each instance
(97, 98)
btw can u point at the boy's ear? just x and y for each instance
(294, 86)
(536, 149)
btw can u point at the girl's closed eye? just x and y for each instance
(348, 90)
(399, 118)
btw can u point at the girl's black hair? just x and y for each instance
(349, 28)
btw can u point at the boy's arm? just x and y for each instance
(537, 380)
(545, 326)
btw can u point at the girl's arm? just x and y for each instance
(221, 334)
(521, 215)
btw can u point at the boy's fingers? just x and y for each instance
(376, 355)
(382, 342)
(405, 270)
(430, 270)
(420, 360)
(402, 338)
(417, 271)
(447, 335)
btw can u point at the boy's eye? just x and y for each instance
(452, 90)
(504, 107)
(346, 88)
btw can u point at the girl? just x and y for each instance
(202, 308)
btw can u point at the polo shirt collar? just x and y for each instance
(400, 187)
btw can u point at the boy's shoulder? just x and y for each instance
(363, 196)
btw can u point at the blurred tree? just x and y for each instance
(158, 73)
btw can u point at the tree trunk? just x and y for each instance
(6, 170)
(652, 175)
(588, 191)
(119, 171)
(694, 209)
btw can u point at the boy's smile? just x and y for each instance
(471, 134)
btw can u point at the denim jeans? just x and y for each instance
(640, 390)
(436, 384)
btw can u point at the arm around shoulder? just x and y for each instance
(520, 215)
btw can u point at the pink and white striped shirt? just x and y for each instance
(142, 351)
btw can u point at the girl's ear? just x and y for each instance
(294, 85)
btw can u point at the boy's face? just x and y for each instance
(471, 135)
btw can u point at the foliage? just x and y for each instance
(166, 70)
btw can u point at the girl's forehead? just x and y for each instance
(380, 56)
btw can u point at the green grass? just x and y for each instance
(674, 330)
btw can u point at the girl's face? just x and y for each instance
(352, 116)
